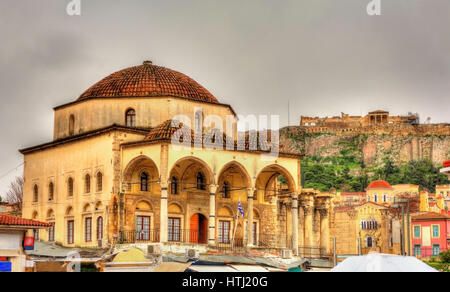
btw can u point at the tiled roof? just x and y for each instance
(9, 220)
(379, 184)
(166, 130)
(429, 215)
(148, 80)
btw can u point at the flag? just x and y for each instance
(240, 209)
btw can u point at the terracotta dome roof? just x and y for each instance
(379, 184)
(148, 80)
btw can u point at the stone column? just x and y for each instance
(309, 210)
(250, 193)
(164, 215)
(212, 215)
(295, 223)
(163, 223)
(324, 230)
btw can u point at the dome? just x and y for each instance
(148, 80)
(379, 184)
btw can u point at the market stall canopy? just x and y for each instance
(376, 262)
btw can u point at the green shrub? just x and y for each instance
(445, 256)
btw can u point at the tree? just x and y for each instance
(15, 193)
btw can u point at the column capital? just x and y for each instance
(323, 212)
(308, 210)
(213, 189)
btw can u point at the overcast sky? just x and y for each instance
(324, 56)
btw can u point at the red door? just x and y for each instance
(198, 229)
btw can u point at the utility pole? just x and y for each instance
(409, 228)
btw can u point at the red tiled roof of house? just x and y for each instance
(148, 80)
(446, 163)
(379, 184)
(9, 220)
(430, 215)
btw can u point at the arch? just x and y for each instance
(144, 181)
(255, 214)
(69, 211)
(134, 169)
(130, 117)
(225, 211)
(50, 214)
(144, 205)
(175, 208)
(233, 177)
(87, 208)
(234, 165)
(268, 181)
(98, 206)
(35, 215)
(186, 170)
(369, 241)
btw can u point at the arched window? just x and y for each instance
(87, 183)
(198, 120)
(200, 181)
(144, 182)
(375, 198)
(385, 198)
(369, 241)
(130, 118)
(368, 198)
(174, 186)
(51, 191)
(99, 181)
(70, 187)
(35, 194)
(71, 125)
(99, 228)
(226, 190)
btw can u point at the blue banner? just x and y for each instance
(5, 267)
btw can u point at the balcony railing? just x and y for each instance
(133, 236)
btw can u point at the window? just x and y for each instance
(416, 231)
(436, 231)
(99, 181)
(70, 187)
(224, 231)
(36, 234)
(198, 121)
(70, 231)
(174, 186)
(375, 198)
(417, 250)
(368, 198)
(99, 228)
(71, 125)
(391, 242)
(384, 198)
(174, 229)
(436, 249)
(51, 191)
(87, 184)
(51, 233)
(143, 228)
(88, 229)
(369, 241)
(144, 182)
(200, 181)
(35, 194)
(226, 190)
(130, 118)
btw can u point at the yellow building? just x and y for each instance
(112, 174)
(380, 191)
